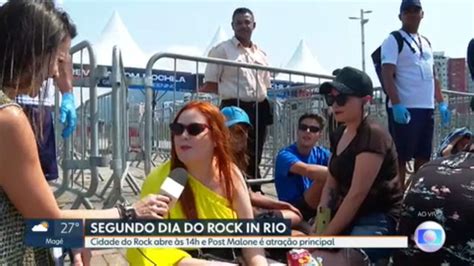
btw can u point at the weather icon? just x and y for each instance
(42, 227)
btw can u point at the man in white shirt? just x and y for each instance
(243, 87)
(412, 88)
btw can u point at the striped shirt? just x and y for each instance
(45, 96)
(239, 83)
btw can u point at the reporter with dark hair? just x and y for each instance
(39, 109)
(30, 39)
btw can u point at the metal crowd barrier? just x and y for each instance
(459, 105)
(290, 102)
(120, 135)
(81, 151)
(113, 133)
(100, 139)
(462, 115)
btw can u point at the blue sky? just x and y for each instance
(323, 24)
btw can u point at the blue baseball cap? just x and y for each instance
(235, 115)
(409, 3)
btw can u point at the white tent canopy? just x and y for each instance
(303, 60)
(116, 33)
(219, 37)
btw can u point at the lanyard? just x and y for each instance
(418, 44)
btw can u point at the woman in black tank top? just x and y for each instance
(362, 190)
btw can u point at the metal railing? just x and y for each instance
(120, 135)
(75, 161)
(104, 138)
(312, 103)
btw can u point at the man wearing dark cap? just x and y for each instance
(412, 88)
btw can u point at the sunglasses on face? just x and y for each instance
(340, 99)
(193, 129)
(312, 129)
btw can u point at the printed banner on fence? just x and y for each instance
(165, 80)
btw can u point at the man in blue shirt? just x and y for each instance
(300, 170)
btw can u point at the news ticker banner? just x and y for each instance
(189, 234)
(247, 242)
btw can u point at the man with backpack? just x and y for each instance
(408, 78)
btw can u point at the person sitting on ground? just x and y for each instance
(30, 37)
(300, 169)
(442, 191)
(457, 141)
(215, 188)
(362, 192)
(238, 123)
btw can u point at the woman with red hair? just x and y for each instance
(215, 187)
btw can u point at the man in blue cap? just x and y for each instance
(412, 88)
(238, 123)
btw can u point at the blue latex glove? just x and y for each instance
(401, 115)
(67, 114)
(445, 114)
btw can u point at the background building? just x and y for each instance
(441, 66)
(457, 74)
(453, 73)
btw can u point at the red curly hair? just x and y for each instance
(222, 153)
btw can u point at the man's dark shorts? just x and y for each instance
(413, 140)
(45, 138)
(304, 208)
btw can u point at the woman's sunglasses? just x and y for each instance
(193, 129)
(312, 129)
(340, 99)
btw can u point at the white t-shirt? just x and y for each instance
(45, 97)
(414, 77)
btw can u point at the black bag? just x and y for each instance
(377, 54)
(441, 191)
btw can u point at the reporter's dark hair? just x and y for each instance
(30, 34)
(69, 25)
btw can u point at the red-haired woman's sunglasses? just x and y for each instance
(193, 129)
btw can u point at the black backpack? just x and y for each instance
(377, 54)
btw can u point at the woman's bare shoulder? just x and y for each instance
(15, 130)
(12, 121)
